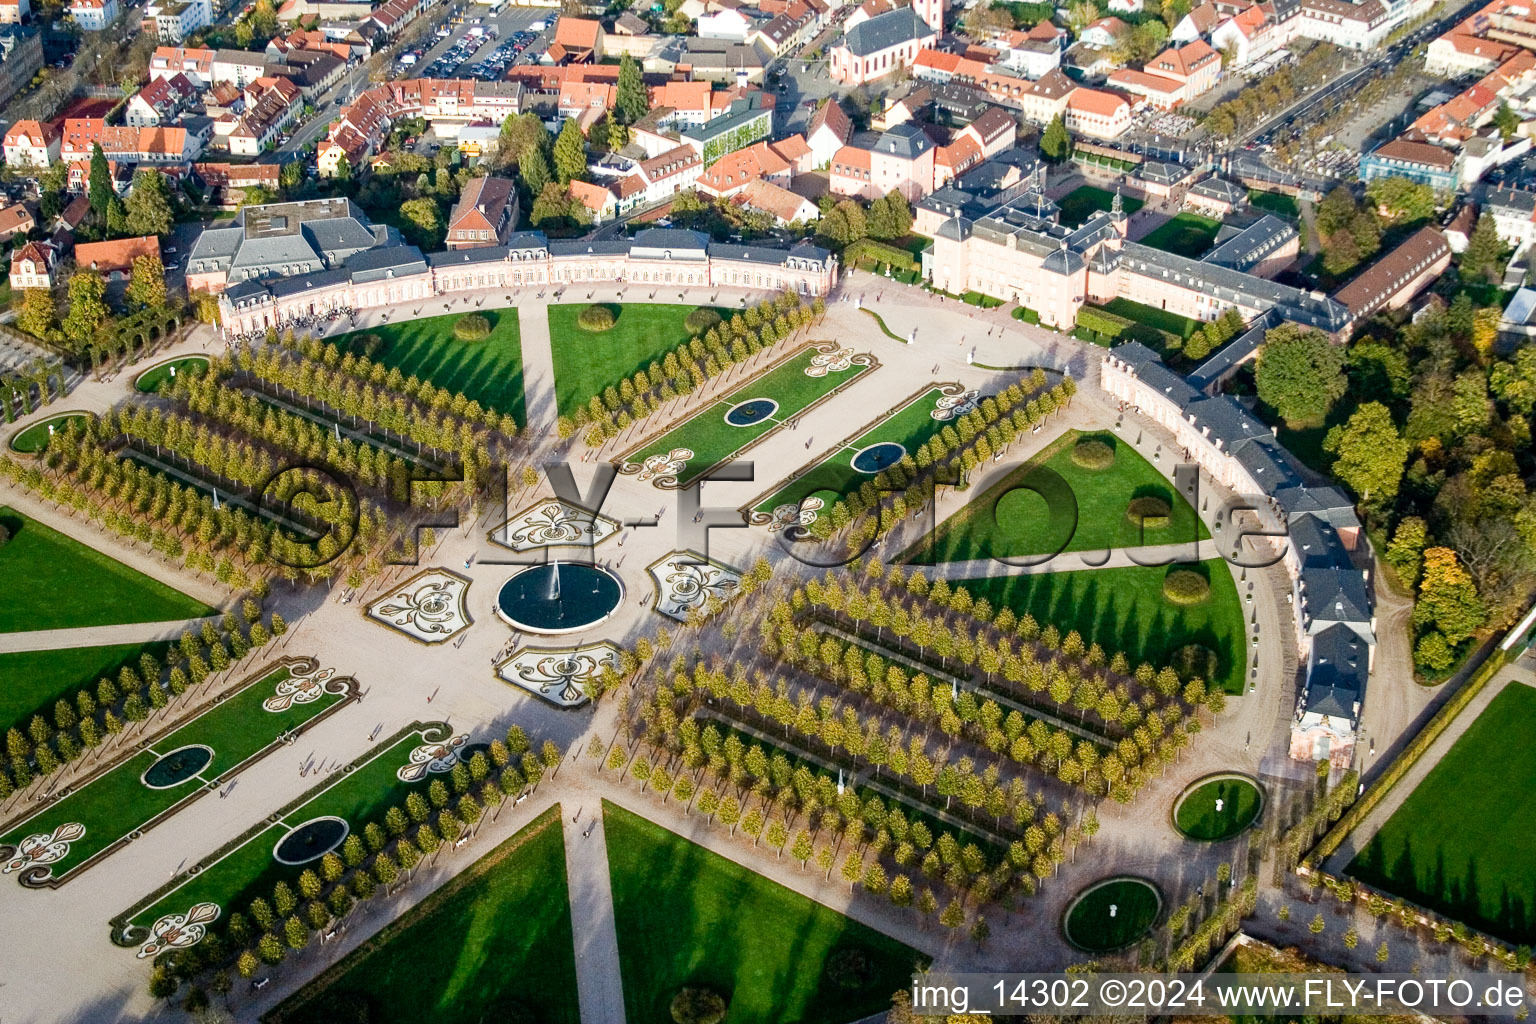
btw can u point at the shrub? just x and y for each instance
(366, 343)
(1091, 453)
(697, 1006)
(473, 327)
(701, 320)
(1193, 661)
(848, 969)
(596, 318)
(5, 535)
(1149, 511)
(1185, 586)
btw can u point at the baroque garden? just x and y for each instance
(634, 657)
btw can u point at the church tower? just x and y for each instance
(932, 12)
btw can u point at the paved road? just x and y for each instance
(591, 893)
(97, 636)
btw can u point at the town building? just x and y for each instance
(32, 143)
(283, 240)
(114, 260)
(21, 58)
(1417, 161)
(885, 43)
(1098, 113)
(1396, 278)
(93, 15)
(15, 219)
(14, 12)
(161, 101)
(485, 214)
(178, 19)
(32, 265)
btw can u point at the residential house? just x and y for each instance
(114, 260)
(577, 41)
(732, 172)
(93, 15)
(900, 159)
(178, 19)
(161, 101)
(1104, 33)
(828, 131)
(659, 178)
(32, 266)
(1514, 214)
(195, 64)
(729, 23)
(14, 12)
(271, 105)
(1417, 161)
(1362, 26)
(32, 143)
(784, 206)
(1195, 66)
(239, 67)
(1097, 113)
(15, 220)
(1033, 53)
(1046, 99)
(226, 183)
(21, 58)
(485, 214)
(599, 202)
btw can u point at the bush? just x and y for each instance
(697, 1006)
(473, 327)
(1091, 453)
(1193, 661)
(367, 344)
(848, 969)
(701, 320)
(5, 535)
(597, 318)
(1186, 586)
(1149, 511)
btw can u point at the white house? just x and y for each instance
(730, 24)
(178, 19)
(93, 15)
(32, 144)
(828, 132)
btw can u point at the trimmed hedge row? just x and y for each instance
(878, 252)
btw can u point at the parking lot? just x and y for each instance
(481, 45)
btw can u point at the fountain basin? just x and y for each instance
(178, 766)
(311, 840)
(562, 597)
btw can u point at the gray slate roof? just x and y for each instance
(884, 31)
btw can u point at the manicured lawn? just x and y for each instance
(586, 363)
(512, 947)
(35, 438)
(31, 681)
(1187, 234)
(118, 802)
(55, 582)
(1005, 520)
(712, 440)
(1274, 202)
(1196, 815)
(489, 371)
(1125, 610)
(1083, 202)
(1162, 319)
(1460, 843)
(909, 426)
(686, 916)
(152, 379)
(1090, 926)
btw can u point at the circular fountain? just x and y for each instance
(751, 412)
(311, 840)
(876, 457)
(561, 597)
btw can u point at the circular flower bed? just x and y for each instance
(1149, 511)
(701, 320)
(1185, 586)
(473, 327)
(1218, 807)
(697, 1006)
(596, 318)
(1111, 914)
(1093, 454)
